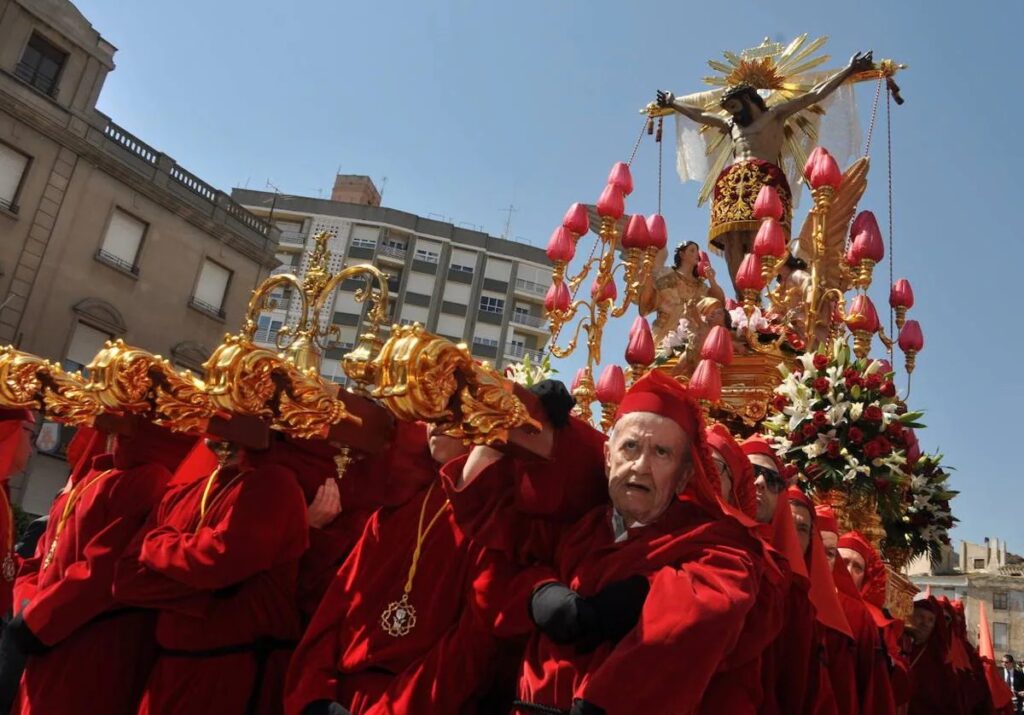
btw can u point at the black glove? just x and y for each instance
(582, 707)
(24, 639)
(618, 606)
(562, 614)
(556, 401)
(325, 707)
(12, 664)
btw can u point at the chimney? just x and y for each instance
(355, 189)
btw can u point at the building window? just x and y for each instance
(1000, 636)
(40, 64)
(267, 329)
(491, 305)
(1000, 601)
(427, 256)
(460, 269)
(122, 242)
(86, 342)
(363, 243)
(979, 564)
(489, 342)
(211, 288)
(12, 170)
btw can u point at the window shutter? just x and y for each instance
(124, 236)
(12, 167)
(213, 283)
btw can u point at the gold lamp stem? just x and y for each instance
(819, 215)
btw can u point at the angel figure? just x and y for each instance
(676, 293)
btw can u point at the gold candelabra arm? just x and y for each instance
(886, 340)
(574, 281)
(359, 363)
(561, 318)
(260, 300)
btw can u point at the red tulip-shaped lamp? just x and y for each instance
(640, 348)
(611, 388)
(901, 299)
(706, 381)
(911, 342)
(767, 204)
(862, 319)
(621, 178)
(718, 346)
(577, 219)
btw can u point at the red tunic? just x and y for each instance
(445, 661)
(704, 570)
(225, 591)
(70, 602)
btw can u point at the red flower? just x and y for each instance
(873, 382)
(821, 385)
(809, 429)
(852, 382)
(884, 446)
(901, 408)
(833, 449)
(895, 432)
(871, 450)
(855, 435)
(851, 373)
(820, 419)
(779, 403)
(882, 485)
(887, 389)
(872, 413)
(796, 438)
(820, 362)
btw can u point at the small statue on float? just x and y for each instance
(676, 293)
(754, 135)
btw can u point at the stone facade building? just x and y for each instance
(102, 235)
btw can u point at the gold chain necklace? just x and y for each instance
(400, 617)
(7, 567)
(74, 496)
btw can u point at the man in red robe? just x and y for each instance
(870, 659)
(666, 532)
(407, 624)
(15, 450)
(869, 576)
(932, 683)
(67, 610)
(219, 562)
(735, 471)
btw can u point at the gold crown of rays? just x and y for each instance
(415, 375)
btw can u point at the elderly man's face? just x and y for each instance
(830, 540)
(854, 564)
(647, 462)
(767, 484)
(802, 522)
(923, 623)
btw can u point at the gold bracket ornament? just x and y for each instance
(29, 382)
(421, 376)
(126, 379)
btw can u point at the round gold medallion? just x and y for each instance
(398, 618)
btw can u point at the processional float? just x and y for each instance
(784, 367)
(792, 360)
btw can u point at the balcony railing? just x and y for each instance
(520, 351)
(533, 321)
(206, 307)
(131, 143)
(392, 252)
(294, 238)
(531, 287)
(8, 206)
(265, 335)
(144, 152)
(117, 262)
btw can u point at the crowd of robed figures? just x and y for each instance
(663, 568)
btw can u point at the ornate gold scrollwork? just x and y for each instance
(29, 382)
(420, 376)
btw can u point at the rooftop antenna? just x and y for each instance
(383, 183)
(273, 202)
(508, 221)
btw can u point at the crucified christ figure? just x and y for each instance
(757, 132)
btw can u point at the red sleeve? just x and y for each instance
(136, 585)
(107, 527)
(693, 615)
(313, 670)
(460, 664)
(265, 526)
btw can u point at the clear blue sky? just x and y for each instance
(468, 106)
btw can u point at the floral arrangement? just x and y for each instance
(927, 518)
(837, 419)
(528, 374)
(674, 343)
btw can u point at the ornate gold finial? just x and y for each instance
(29, 382)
